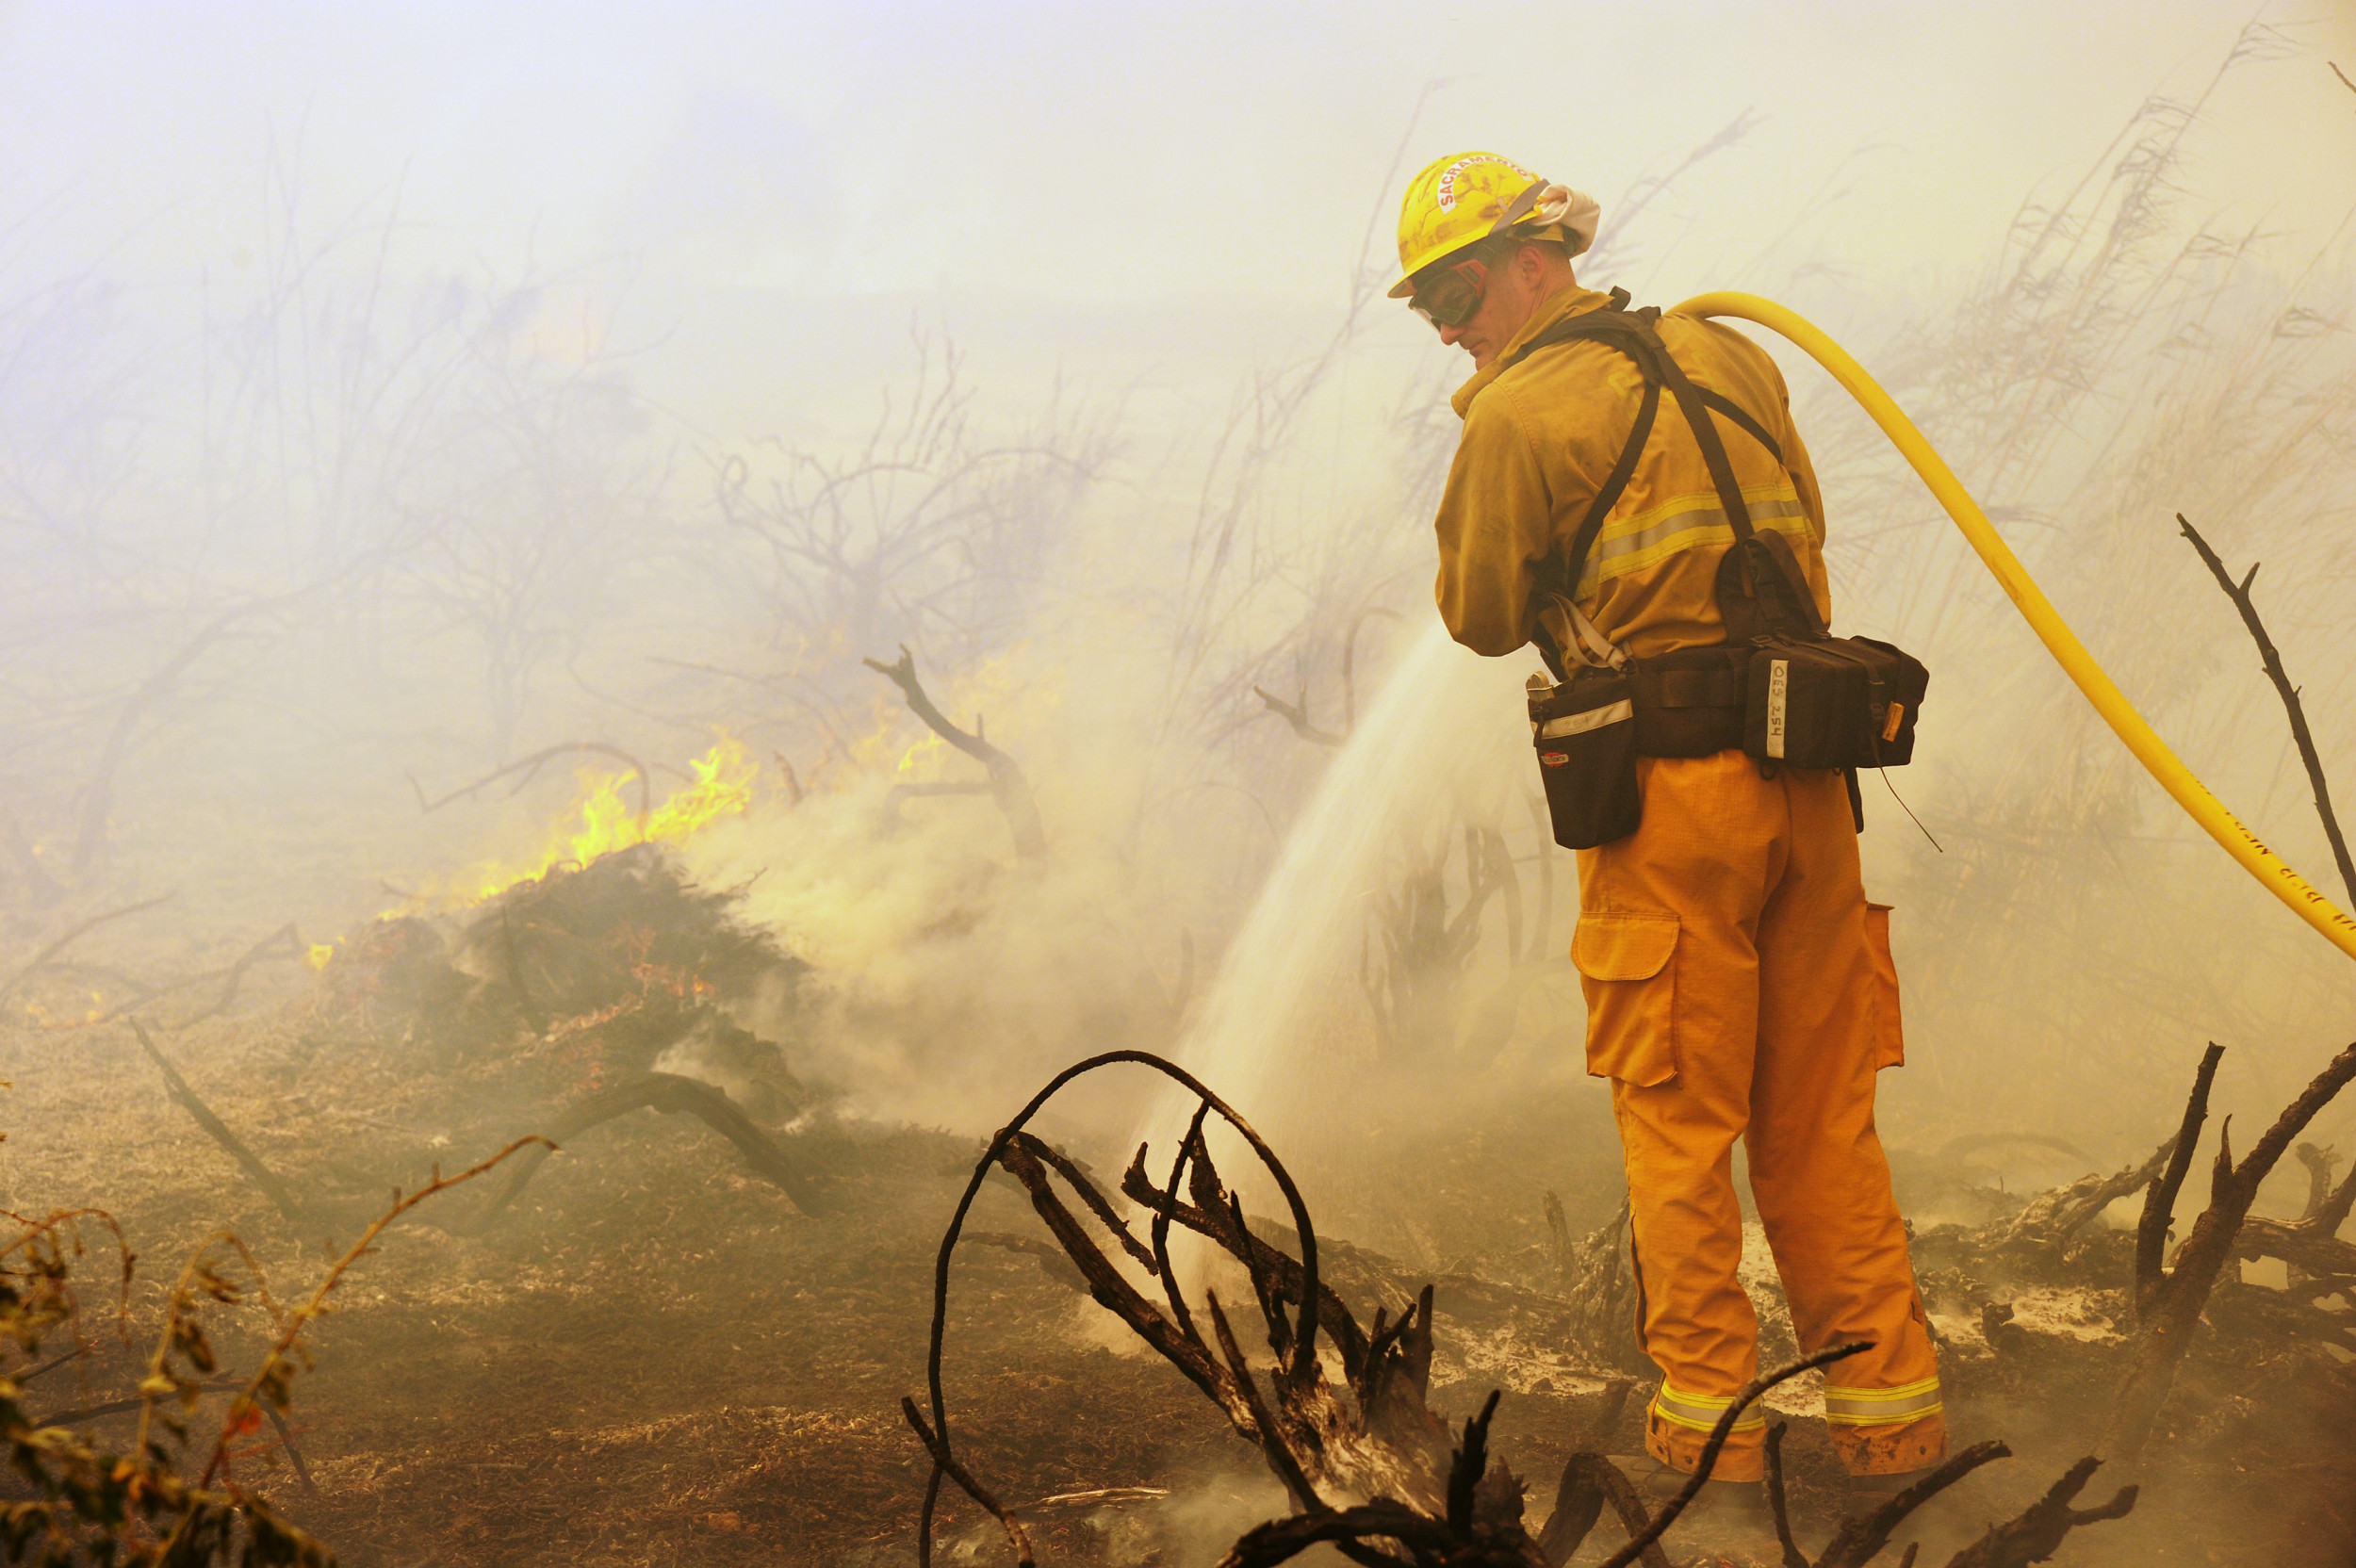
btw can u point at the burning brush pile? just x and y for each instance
(600, 981)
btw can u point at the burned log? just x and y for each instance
(674, 1096)
(2051, 1218)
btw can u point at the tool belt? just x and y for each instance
(1781, 688)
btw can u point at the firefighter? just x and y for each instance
(1737, 984)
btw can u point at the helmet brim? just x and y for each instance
(1570, 238)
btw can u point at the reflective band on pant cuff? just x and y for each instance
(1881, 1407)
(1701, 1411)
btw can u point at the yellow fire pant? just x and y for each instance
(1739, 986)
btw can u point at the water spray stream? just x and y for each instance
(1286, 1020)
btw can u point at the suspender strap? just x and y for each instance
(1558, 574)
(1741, 416)
(1636, 334)
(1705, 429)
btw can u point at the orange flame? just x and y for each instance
(605, 819)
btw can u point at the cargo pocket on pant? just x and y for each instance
(1627, 970)
(1889, 1041)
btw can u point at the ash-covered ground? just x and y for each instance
(653, 1352)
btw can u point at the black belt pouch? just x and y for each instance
(1842, 702)
(1586, 738)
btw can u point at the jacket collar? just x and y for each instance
(1570, 301)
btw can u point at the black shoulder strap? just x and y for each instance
(1741, 416)
(1558, 574)
(1636, 334)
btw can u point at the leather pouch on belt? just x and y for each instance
(1626, 967)
(1889, 1041)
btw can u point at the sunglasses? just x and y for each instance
(1453, 299)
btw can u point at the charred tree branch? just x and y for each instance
(2037, 1532)
(2239, 594)
(672, 1095)
(1296, 715)
(530, 767)
(2159, 1202)
(1861, 1538)
(973, 1489)
(1007, 785)
(2169, 1304)
(75, 934)
(218, 1131)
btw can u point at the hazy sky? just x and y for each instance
(1100, 151)
(1127, 195)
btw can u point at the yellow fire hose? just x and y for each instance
(2162, 764)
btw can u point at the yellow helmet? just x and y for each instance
(1465, 198)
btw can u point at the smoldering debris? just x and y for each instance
(593, 989)
(1361, 1456)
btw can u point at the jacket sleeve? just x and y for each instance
(1496, 521)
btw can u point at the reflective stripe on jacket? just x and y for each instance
(1541, 438)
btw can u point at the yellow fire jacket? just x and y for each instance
(1540, 440)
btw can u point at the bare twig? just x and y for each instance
(269, 1384)
(74, 935)
(945, 1461)
(530, 767)
(186, 1098)
(1296, 715)
(2239, 594)
(2034, 1534)
(1717, 1440)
